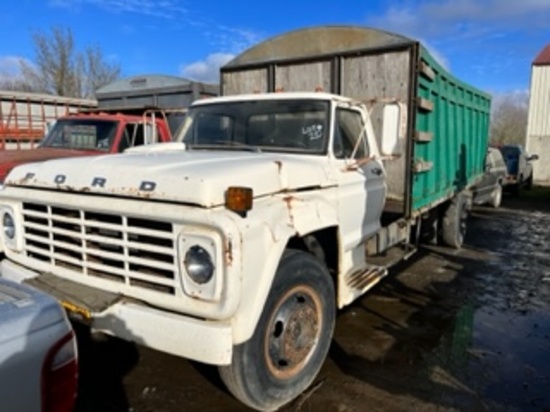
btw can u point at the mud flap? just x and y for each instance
(80, 301)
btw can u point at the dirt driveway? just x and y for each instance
(449, 330)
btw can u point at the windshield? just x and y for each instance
(510, 152)
(81, 134)
(266, 125)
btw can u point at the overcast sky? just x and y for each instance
(489, 43)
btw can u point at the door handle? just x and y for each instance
(377, 171)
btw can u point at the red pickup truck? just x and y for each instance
(87, 134)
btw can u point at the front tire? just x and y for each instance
(291, 339)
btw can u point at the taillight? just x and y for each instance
(60, 376)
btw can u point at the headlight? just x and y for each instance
(9, 225)
(198, 264)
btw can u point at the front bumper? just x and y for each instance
(200, 340)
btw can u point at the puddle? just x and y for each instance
(502, 358)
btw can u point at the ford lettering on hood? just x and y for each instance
(194, 177)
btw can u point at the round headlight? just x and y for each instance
(9, 225)
(198, 264)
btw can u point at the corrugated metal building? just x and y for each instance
(538, 126)
(169, 94)
(158, 91)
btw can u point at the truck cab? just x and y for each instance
(87, 135)
(332, 133)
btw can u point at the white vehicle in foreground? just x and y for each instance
(235, 245)
(38, 357)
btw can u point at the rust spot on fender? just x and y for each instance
(288, 200)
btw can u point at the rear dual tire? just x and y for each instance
(454, 222)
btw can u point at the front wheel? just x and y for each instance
(291, 339)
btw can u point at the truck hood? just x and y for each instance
(194, 177)
(11, 158)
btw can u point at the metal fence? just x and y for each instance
(24, 117)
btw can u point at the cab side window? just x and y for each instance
(349, 128)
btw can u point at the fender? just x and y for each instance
(269, 227)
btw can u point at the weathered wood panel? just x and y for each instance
(246, 81)
(377, 76)
(303, 77)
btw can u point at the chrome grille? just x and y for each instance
(134, 251)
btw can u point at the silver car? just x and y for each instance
(489, 189)
(38, 355)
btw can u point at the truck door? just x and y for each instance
(360, 178)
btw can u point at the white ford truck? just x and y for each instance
(236, 244)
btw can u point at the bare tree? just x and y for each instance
(509, 118)
(15, 84)
(94, 71)
(62, 70)
(10, 75)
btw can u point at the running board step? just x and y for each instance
(366, 278)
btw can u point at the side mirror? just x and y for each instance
(394, 128)
(533, 157)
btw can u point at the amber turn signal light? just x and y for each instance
(238, 199)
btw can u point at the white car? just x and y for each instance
(38, 355)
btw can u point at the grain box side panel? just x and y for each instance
(245, 81)
(380, 76)
(306, 77)
(456, 115)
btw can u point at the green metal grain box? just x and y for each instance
(451, 134)
(448, 121)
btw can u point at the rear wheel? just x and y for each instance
(291, 339)
(455, 221)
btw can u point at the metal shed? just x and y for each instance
(153, 91)
(538, 124)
